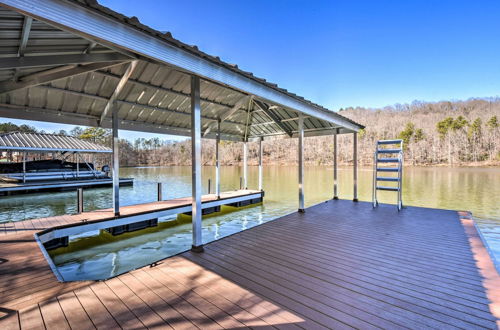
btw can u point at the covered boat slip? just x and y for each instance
(57, 173)
(76, 62)
(338, 265)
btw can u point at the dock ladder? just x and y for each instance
(393, 157)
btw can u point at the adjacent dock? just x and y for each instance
(60, 185)
(338, 265)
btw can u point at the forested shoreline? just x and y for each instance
(449, 132)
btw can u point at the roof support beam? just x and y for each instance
(55, 116)
(118, 89)
(52, 60)
(139, 105)
(228, 114)
(51, 75)
(24, 35)
(164, 89)
(273, 117)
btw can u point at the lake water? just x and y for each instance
(100, 255)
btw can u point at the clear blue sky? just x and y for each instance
(344, 53)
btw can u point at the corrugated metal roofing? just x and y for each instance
(18, 141)
(156, 97)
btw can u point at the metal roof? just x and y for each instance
(64, 65)
(38, 142)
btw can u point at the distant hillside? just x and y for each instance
(455, 133)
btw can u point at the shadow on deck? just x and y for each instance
(339, 265)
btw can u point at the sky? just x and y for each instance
(343, 53)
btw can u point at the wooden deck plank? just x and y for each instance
(123, 316)
(143, 312)
(97, 312)
(53, 316)
(247, 318)
(196, 316)
(10, 321)
(335, 311)
(368, 267)
(74, 312)
(211, 311)
(245, 299)
(380, 274)
(320, 286)
(166, 309)
(31, 318)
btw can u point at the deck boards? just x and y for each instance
(339, 265)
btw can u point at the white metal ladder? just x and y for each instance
(389, 156)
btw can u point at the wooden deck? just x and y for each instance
(339, 265)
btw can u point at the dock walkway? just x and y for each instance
(338, 265)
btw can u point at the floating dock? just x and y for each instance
(338, 265)
(59, 185)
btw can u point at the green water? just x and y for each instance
(99, 255)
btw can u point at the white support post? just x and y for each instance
(260, 164)
(335, 174)
(217, 161)
(116, 162)
(355, 161)
(245, 165)
(196, 164)
(301, 163)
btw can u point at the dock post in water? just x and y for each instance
(160, 191)
(79, 200)
(116, 161)
(355, 161)
(24, 167)
(217, 165)
(209, 182)
(260, 163)
(245, 165)
(301, 163)
(196, 163)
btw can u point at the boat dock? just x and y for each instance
(340, 264)
(61, 185)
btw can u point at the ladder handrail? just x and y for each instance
(399, 159)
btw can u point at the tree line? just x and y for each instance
(448, 132)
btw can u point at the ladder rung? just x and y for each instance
(387, 160)
(387, 188)
(387, 169)
(389, 142)
(382, 178)
(388, 151)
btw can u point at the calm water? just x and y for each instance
(99, 255)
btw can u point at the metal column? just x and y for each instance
(217, 161)
(301, 163)
(260, 164)
(245, 165)
(355, 161)
(116, 161)
(335, 174)
(196, 163)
